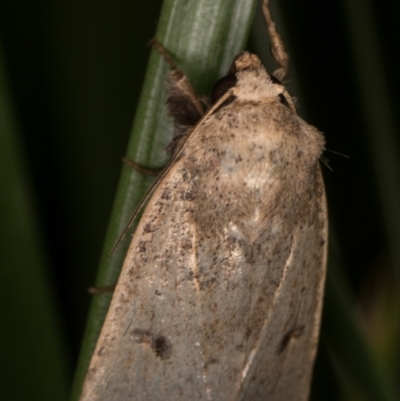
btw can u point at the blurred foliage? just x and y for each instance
(71, 77)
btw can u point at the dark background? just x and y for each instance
(74, 72)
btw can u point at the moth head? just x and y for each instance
(247, 80)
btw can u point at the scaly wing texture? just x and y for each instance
(220, 294)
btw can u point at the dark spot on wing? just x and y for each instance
(294, 333)
(161, 347)
(148, 228)
(166, 194)
(189, 196)
(212, 361)
(141, 336)
(158, 343)
(142, 246)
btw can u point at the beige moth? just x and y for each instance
(220, 294)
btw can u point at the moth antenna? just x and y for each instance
(140, 206)
(277, 46)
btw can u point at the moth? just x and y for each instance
(220, 294)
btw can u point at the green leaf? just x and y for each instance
(32, 351)
(356, 362)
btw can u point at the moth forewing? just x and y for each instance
(220, 294)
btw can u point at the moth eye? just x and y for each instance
(221, 86)
(283, 100)
(275, 80)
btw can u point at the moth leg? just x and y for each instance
(277, 46)
(101, 290)
(148, 171)
(185, 107)
(163, 51)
